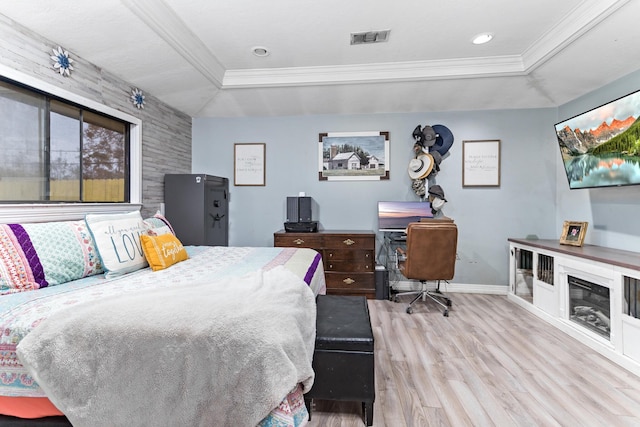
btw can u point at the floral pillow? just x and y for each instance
(158, 224)
(36, 255)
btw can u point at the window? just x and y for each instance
(57, 151)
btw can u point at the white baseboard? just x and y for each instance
(468, 288)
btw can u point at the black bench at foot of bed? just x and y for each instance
(343, 358)
(7, 421)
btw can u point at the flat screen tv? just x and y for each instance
(601, 147)
(396, 216)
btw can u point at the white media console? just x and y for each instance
(591, 293)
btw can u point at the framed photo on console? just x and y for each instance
(573, 233)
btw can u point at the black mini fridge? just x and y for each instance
(197, 206)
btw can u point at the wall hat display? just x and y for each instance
(436, 190)
(444, 139)
(429, 136)
(421, 166)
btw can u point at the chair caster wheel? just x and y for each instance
(449, 303)
(409, 310)
(446, 313)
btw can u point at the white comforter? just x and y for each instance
(217, 353)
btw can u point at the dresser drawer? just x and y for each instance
(358, 261)
(353, 241)
(346, 281)
(298, 240)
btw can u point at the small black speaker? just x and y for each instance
(292, 209)
(382, 282)
(304, 206)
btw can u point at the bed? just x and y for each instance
(224, 337)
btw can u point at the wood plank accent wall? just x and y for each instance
(166, 132)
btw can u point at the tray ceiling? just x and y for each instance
(197, 55)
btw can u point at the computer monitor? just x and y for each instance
(396, 216)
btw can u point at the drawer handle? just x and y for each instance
(348, 242)
(349, 281)
(298, 241)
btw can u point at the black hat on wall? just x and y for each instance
(436, 190)
(444, 139)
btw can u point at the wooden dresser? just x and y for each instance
(348, 257)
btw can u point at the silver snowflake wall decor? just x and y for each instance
(137, 98)
(62, 62)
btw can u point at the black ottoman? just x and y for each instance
(343, 357)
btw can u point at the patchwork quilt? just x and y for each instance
(21, 312)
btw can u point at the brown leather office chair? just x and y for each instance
(429, 255)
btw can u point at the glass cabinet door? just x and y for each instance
(523, 281)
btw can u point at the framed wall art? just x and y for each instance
(573, 233)
(249, 164)
(350, 156)
(481, 163)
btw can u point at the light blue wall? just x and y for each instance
(523, 204)
(612, 212)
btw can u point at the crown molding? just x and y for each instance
(162, 20)
(581, 19)
(375, 73)
(576, 23)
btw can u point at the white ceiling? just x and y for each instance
(196, 55)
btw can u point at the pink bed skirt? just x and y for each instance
(291, 412)
(28, 407)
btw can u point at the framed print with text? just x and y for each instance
(249, 164)
(481, 163)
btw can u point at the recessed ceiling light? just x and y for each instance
(482, 38)
(260, 51)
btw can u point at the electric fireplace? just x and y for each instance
(590, 306)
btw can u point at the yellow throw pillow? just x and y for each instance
(163, 251)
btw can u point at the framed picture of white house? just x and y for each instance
(353, 156)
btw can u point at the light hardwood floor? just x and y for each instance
(490, 363)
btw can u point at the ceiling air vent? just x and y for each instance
(370, 37)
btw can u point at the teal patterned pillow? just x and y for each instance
(158, 224)
(33, 256)
(66, 250)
